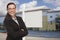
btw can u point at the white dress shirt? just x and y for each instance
(15, 19)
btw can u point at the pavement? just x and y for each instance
(3, 36)
(45, 34)
(36, 35)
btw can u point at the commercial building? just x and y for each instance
(40, 18)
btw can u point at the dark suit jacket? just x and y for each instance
(14, 31)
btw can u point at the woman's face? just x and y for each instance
(11, 10)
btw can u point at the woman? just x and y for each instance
(15, 26)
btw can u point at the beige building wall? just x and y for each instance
(51, 26)
(47, 26)
(45, 23)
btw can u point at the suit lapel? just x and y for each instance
(15, 22)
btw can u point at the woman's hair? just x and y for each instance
(10, 4)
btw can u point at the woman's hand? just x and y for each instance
(22, 29)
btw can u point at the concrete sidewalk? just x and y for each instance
(3, 37)
(40, 38)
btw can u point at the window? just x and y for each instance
(50, 16)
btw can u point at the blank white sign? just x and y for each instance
(33, 19)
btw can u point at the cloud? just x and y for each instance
(58, 8)
(29, 4)
(54, 2)
(3, 4)
(48, 1)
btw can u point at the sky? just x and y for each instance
(52, 4)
